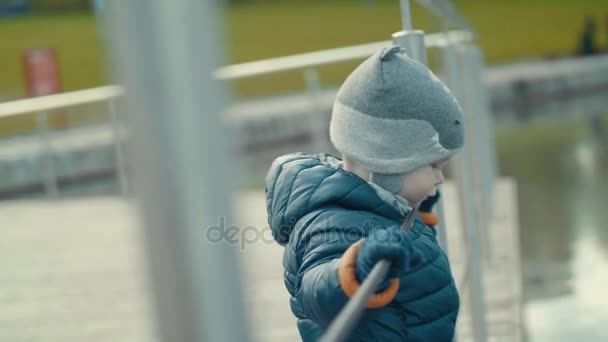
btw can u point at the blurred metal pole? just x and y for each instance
(119, 141)
(474, 71)
(452, 64)
(406, 15)
(409, 39)
(165, 52)
(318, 124)
(350, 315)
(486, 125)
(49, 174)
(476, 141)
(445, 10)
(413, 43)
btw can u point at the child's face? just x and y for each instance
(422, 182)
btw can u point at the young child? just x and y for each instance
(396, 125)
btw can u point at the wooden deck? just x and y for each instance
(72, 270)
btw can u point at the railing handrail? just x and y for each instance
(447, 11)
(56, 101)
(329, 56)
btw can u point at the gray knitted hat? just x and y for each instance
(393, 115)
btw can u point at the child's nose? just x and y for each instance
(439, 177)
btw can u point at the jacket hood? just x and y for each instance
(299, 183)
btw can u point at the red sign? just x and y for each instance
(41, 72)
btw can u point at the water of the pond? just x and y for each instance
(562, 173)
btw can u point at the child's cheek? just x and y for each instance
(416, 186)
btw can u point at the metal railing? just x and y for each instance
(446, 11)
(307, 62)
(58, 101)
(325, 57)
(42, 107)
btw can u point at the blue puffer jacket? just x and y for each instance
(317, 210)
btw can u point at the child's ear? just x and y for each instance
(390, 182)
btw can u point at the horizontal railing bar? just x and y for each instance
(56, 101)
(324, 57)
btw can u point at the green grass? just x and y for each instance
(73, 36)
(509, 30)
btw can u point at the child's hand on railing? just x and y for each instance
(383, 244)
(386, 246)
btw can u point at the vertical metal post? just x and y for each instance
(317, 123)
(475, 284)
(462, 166)
(406, 15)
(476, 141)
(411, 40)
(486, 131)
(49, 173)
(165, 52)
(118, 137)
